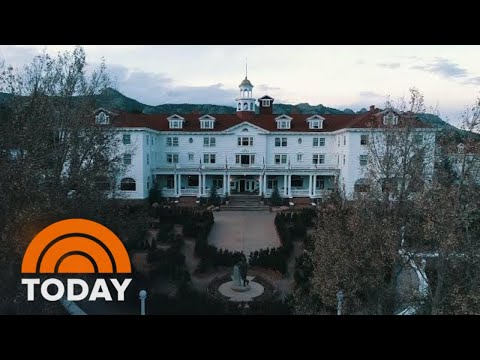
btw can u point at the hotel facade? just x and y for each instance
(304, 156)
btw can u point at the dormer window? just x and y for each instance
(390, 119)
(315, 122)
(266, 103)
(207, 122)
(283, 121)
(175, 122)
(102, 119)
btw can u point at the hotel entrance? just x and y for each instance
(247, 184)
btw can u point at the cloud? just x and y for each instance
(443, 67)
(263, 87)
(17, 56)
(473, 81)
(155, 89)
(370, 94)
(389, 65)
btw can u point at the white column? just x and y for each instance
(175, 190)
(199, 184)
(285, 185)
(314, 185)
(204, 184)
(224, 184)
(179, 184)
(260, 185)
(289, 188)
(265, 184)
(228, 184)
(310, 177)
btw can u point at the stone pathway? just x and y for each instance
(245, 231)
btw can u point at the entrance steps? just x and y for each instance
(245, 203)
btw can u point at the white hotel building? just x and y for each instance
(303, 155)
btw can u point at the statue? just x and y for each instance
(239, 277)
(243, 271)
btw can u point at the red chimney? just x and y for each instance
(266, 105)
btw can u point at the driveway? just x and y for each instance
(245, 231)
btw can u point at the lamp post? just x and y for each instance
(142, 295)
(340, 301)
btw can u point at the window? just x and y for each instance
(318, 141)
(299, 157)
(361, 185)
(338, 140)
(192, 181)
(344, 140)
(297, 181)
(176, 124)
(190, 140)
(320, 184)
(280, 159)
(170, 182)
(363, 160)
(251, 106)
(245, 141)
(102, 119)
(147, 139)
(266, 103)
(299, 140)
(172, 158)
(281, 142)
(363, 139)
(283, 124)
(283, 121)
(209, 158)
(206, 124)
(344, 159)
(127, 159)
(338, 159)
(390, 119)
(314, 124)
(128, 184)
(418, 139)
(190, 156)
(126, 139)
(148, 160)
(172, 141)
(272, 183)
(217, 182)
(244, 159)
(318, 158)
(209, 141)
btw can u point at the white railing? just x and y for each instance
(168, 192)
(189, 192)
(299, 192)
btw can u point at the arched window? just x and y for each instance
(128, 184)
(245, 106)
(251, 106)
(361, 185)
(239, 106)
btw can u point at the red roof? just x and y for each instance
(265, 121)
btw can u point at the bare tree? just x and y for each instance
(55, 161)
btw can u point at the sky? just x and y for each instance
(339, 76)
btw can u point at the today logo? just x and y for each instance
(76, 246)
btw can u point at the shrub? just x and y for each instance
(214, 199)
(275, 198)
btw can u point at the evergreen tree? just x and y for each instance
(275, 198)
